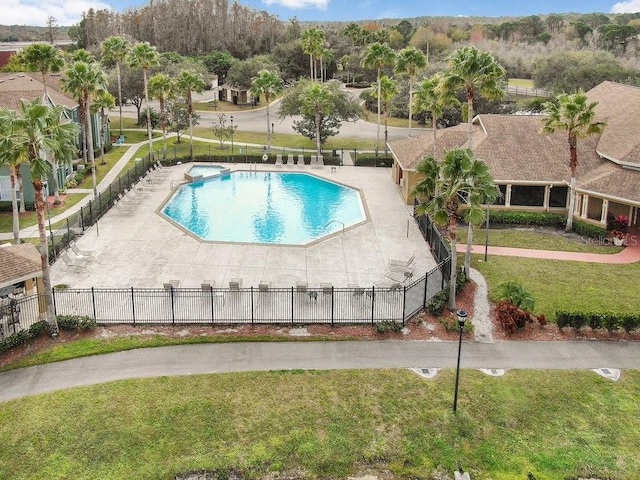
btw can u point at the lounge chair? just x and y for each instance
(327, 288)
(301, 160)
(264, 286)
(402, 263)
(73, 262)
(399, 277)
(278, 160)
(124, 206)
(235, 284)
(290, 160)
(301, 287)
(207, 285)
(171, 284)
(80, 253)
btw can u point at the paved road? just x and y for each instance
(236, 357)
(256, 121)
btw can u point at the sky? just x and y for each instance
(68, 12)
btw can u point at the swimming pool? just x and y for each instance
(265, 207)
(199, 172)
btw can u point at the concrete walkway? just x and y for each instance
(630, 254)
(238, 357)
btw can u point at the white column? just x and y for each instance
(585, 206)
(603, 213)
(547, 193)
(507, 197)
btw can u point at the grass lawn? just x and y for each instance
(329, 424)
(538, 240)
(29, 218)
(521, 82)
(566, 285)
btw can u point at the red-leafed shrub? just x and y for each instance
(512, 318)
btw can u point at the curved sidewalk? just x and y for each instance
(630, 254)
(238, 357)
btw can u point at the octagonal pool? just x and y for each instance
(265, 207)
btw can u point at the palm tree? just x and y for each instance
(12, 154)
(43, 58)
(103, 102)
(410, 60)
(315, 100)
(377, 55)
(388, 89)
(312, 40)
(447, 185)
(144, 56)
(190, 81)
(115, 49)
(84, 81)
(473, 71)
(163, 88)
(82, 55)
(430, 98)
(575, 115)
(267, 83)
(41, 129)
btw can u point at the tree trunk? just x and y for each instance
(572, 203)
(44, 258)
(434, 128)
(14, 204)
(54, 168)
(266, 99)
(146, 99)
(90, 147)
(470, 120)
(318, 146)
(454, 263)
(378, 130)
(467, 256)
(410, 102)
(22, 208)
(163, 116)
(120, 94)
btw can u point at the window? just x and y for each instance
(527, 196)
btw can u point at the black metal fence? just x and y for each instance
(19, 313)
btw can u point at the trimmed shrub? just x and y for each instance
(533, 219)
(510, 317)
(388, 326)
(73, 322)
(450, 324)
(369, 160)
(589, 230)
(597, 320)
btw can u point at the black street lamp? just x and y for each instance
(231, 134)
(462, 317)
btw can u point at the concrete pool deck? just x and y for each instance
(137, 247)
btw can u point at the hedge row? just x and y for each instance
(596, 320)
(545, 219)
(362, 160)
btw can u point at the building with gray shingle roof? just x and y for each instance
(532, 168)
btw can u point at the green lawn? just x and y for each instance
(566, 285)
(329, 424)
(547, 239)
(29, 219)
(521, 82)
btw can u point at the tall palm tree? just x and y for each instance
(12, 153)
(82, 55)
(190, 81)
(473, 71)
(42, 130)
(377, 55)
(102, 103)
(316, 100)
(410, 60)
(388, 89)
(430, 98)
(163, 88)
(115, 49)
(143, 55)
(446, 186)
(43, 58)
(312, 40)
(574, 114)
(84, 80)
(267, 83)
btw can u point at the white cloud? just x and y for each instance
(630, 6)
(298, 4)
(36, 12)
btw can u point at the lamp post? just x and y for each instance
(462, 317)
(231, 134)
(486, 235)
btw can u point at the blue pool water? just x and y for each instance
(265, 207)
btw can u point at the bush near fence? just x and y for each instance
(597, 320)
(371, 160)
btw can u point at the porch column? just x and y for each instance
(585, 206)
(28, 286)
(42, 307)
(547, 194)
(603, 213)
(507, 197)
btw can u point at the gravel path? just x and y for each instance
(482, 331)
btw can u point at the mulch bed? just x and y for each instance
(421, 327)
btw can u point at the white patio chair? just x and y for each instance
(80, 253)
(73, 262)
(402, 263)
